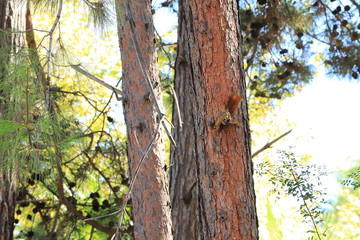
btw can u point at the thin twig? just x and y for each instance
(102, 216)
(266, 146)
(169, 122)
(27, 30)
(163, 49)
(78, 93)
(305, 203)
(137, 142)
(176, 104)
(34, 201)
(50, 34)
(131, 185)
(96, 79)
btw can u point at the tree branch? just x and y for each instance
(69, 205)
(176, 104)
(96, 79)
(30, 39)
(51, 32)
(268, 145)
(34, 200)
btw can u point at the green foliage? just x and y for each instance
(7, 127)
(18, 90)
(276, 55)
(342, 215)
(101, 13)
(352, 178)
(68, 139)
(300, 181)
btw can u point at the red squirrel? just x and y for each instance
(225, 116)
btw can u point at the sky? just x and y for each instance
(327, 117)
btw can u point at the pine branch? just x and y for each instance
(68, 204)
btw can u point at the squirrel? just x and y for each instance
(224, 117)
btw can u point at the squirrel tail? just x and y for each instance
(233, 103)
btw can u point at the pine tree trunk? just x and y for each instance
(212, 186)
(12, 17)
(150, 196)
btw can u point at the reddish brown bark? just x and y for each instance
(12, 16)
(150, 196)
(221, 204)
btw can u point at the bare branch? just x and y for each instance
(34, 201)
(102, 216)
(70, 207)
(95, 78)
(51, 32)
(176, 104)
(163, 49)
(268, 145)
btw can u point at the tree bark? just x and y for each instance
(212, 186)
(150, 195)
(12, 17)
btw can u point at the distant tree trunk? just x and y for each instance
(150, 196)
(12, 16)
(212, 186)
(7, 207)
